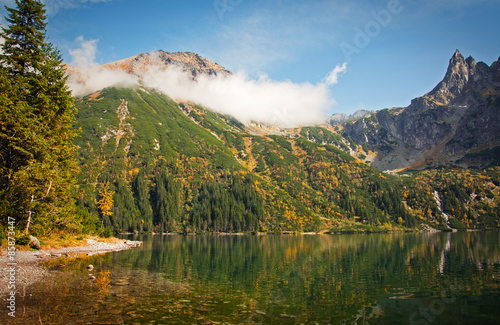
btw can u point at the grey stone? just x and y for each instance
(34, 243)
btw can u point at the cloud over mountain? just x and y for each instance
(264, 100)
(186, 76)
(85, 76)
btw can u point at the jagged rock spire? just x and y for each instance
(458, 74)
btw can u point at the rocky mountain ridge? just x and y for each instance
(457, 123)
(187, 61)
(339, 118)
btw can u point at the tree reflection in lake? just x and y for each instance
(422, 278)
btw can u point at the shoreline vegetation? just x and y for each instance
(340, 231)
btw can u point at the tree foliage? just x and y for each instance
(105, 203)
(37, 162)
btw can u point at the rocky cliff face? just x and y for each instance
(457, 123)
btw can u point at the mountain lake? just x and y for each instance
(403, 278)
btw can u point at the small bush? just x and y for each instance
(106, 232)
(23, 240)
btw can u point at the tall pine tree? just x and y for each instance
(37, 163)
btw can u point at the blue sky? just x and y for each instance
(394, 50)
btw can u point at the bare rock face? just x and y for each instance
(340, 118)
(460, 71)
(457, 123)
(187, 61)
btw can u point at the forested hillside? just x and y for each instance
(151, 164)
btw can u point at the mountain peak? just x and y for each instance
(457, 55)
(127, 72)
(457, 76)
(194, 63)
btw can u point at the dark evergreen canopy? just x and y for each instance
(36, 115)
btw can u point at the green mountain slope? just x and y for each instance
(181, 168)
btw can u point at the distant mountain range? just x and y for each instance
(339, 118)
(455, 124)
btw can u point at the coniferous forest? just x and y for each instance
(134, 160)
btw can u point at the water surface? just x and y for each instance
(438, 278)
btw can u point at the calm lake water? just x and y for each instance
(439, 278)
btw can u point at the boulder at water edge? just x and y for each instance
(34, 243)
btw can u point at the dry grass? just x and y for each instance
(65, 241)
(60, 240)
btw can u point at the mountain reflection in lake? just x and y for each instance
(424, 278)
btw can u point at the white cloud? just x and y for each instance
(86, 54)
(285, 104)
(333, 77)
(87, 80)
(86, 76)
(282, 103)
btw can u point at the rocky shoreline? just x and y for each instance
(28, 270)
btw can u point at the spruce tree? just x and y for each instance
(37, 163)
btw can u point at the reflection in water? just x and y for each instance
(440, 278)
(444, 253)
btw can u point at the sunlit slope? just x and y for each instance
(127, 123)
